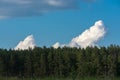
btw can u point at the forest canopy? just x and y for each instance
(61, 62)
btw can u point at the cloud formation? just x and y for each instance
(21, 8)
(89, 37)
(56, 45)
(27, 43)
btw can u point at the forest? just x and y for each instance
(42, 62)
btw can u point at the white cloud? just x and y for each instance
(89, 37)
(56, 45)
(27, 43)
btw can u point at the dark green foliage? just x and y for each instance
(75, 63)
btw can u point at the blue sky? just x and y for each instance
(61, 23)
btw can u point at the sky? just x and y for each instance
(51, 21)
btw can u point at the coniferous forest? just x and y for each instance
(61, 62)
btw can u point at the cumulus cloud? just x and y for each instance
(89, 37)
(56, 45)
(18, 8)
(27, 43)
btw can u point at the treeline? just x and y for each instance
(61, 62)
